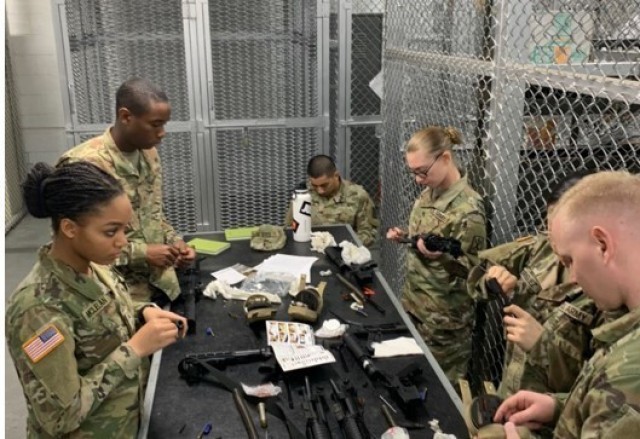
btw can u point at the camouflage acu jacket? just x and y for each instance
(436, 298)
(542, 280)
(67, 337)
(542, 287)
(350, 205)
(554, 362)
(148, 224)
(605, 400)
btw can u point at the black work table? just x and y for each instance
(174, 409)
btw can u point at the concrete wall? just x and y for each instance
(36, 77)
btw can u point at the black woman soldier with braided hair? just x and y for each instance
(78, 344)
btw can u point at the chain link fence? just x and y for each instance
(265, 95)
(14, 159)
(355, 60)
(242, 78)
(111, 41)
(539, 89)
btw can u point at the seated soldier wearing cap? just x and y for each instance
(338, 201)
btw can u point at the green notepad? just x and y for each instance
(239, 233)
(208, 246)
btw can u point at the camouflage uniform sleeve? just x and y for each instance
(560, 400)
(170, 235)
(95, 159)
(476, 286)
(133, 255)
(366, 222)
(58, 396)
(514, 256)
(610, 409)
(554, 361)
(472, 233)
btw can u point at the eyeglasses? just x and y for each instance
(423, 174)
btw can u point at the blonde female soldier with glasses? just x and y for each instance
(437, 299)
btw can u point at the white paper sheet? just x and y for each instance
(229, 275)
(296, 265)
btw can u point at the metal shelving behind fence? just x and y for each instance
(538, 88)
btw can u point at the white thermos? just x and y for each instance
(301, 215)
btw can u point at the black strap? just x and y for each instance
(272, 406)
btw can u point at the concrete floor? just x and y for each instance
(21, 245)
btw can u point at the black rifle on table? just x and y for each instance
(362, 273)
(191, 295)
(372, 331)
(346, 414)
(316, 420)
(207, 367)
(401, 385)
(192, 370)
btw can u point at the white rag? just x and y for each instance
(321, 240)
(352, 254)
(396, 347)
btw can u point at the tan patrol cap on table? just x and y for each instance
(268, 238)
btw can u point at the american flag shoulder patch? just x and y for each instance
(43, 343)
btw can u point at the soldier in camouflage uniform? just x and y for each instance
(71, 327)
(528, 272)
(542, 285)
(128, 151)
(554, 361)
(543, 299)
(338, 201)
(594, 231)
(435, 297)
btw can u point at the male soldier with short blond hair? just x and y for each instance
(338, 201)
(595, 230)
(128, 150)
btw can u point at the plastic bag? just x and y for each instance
(276, 283)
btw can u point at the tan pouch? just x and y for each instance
(306, 305)
(257, 308)
(478, 413)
